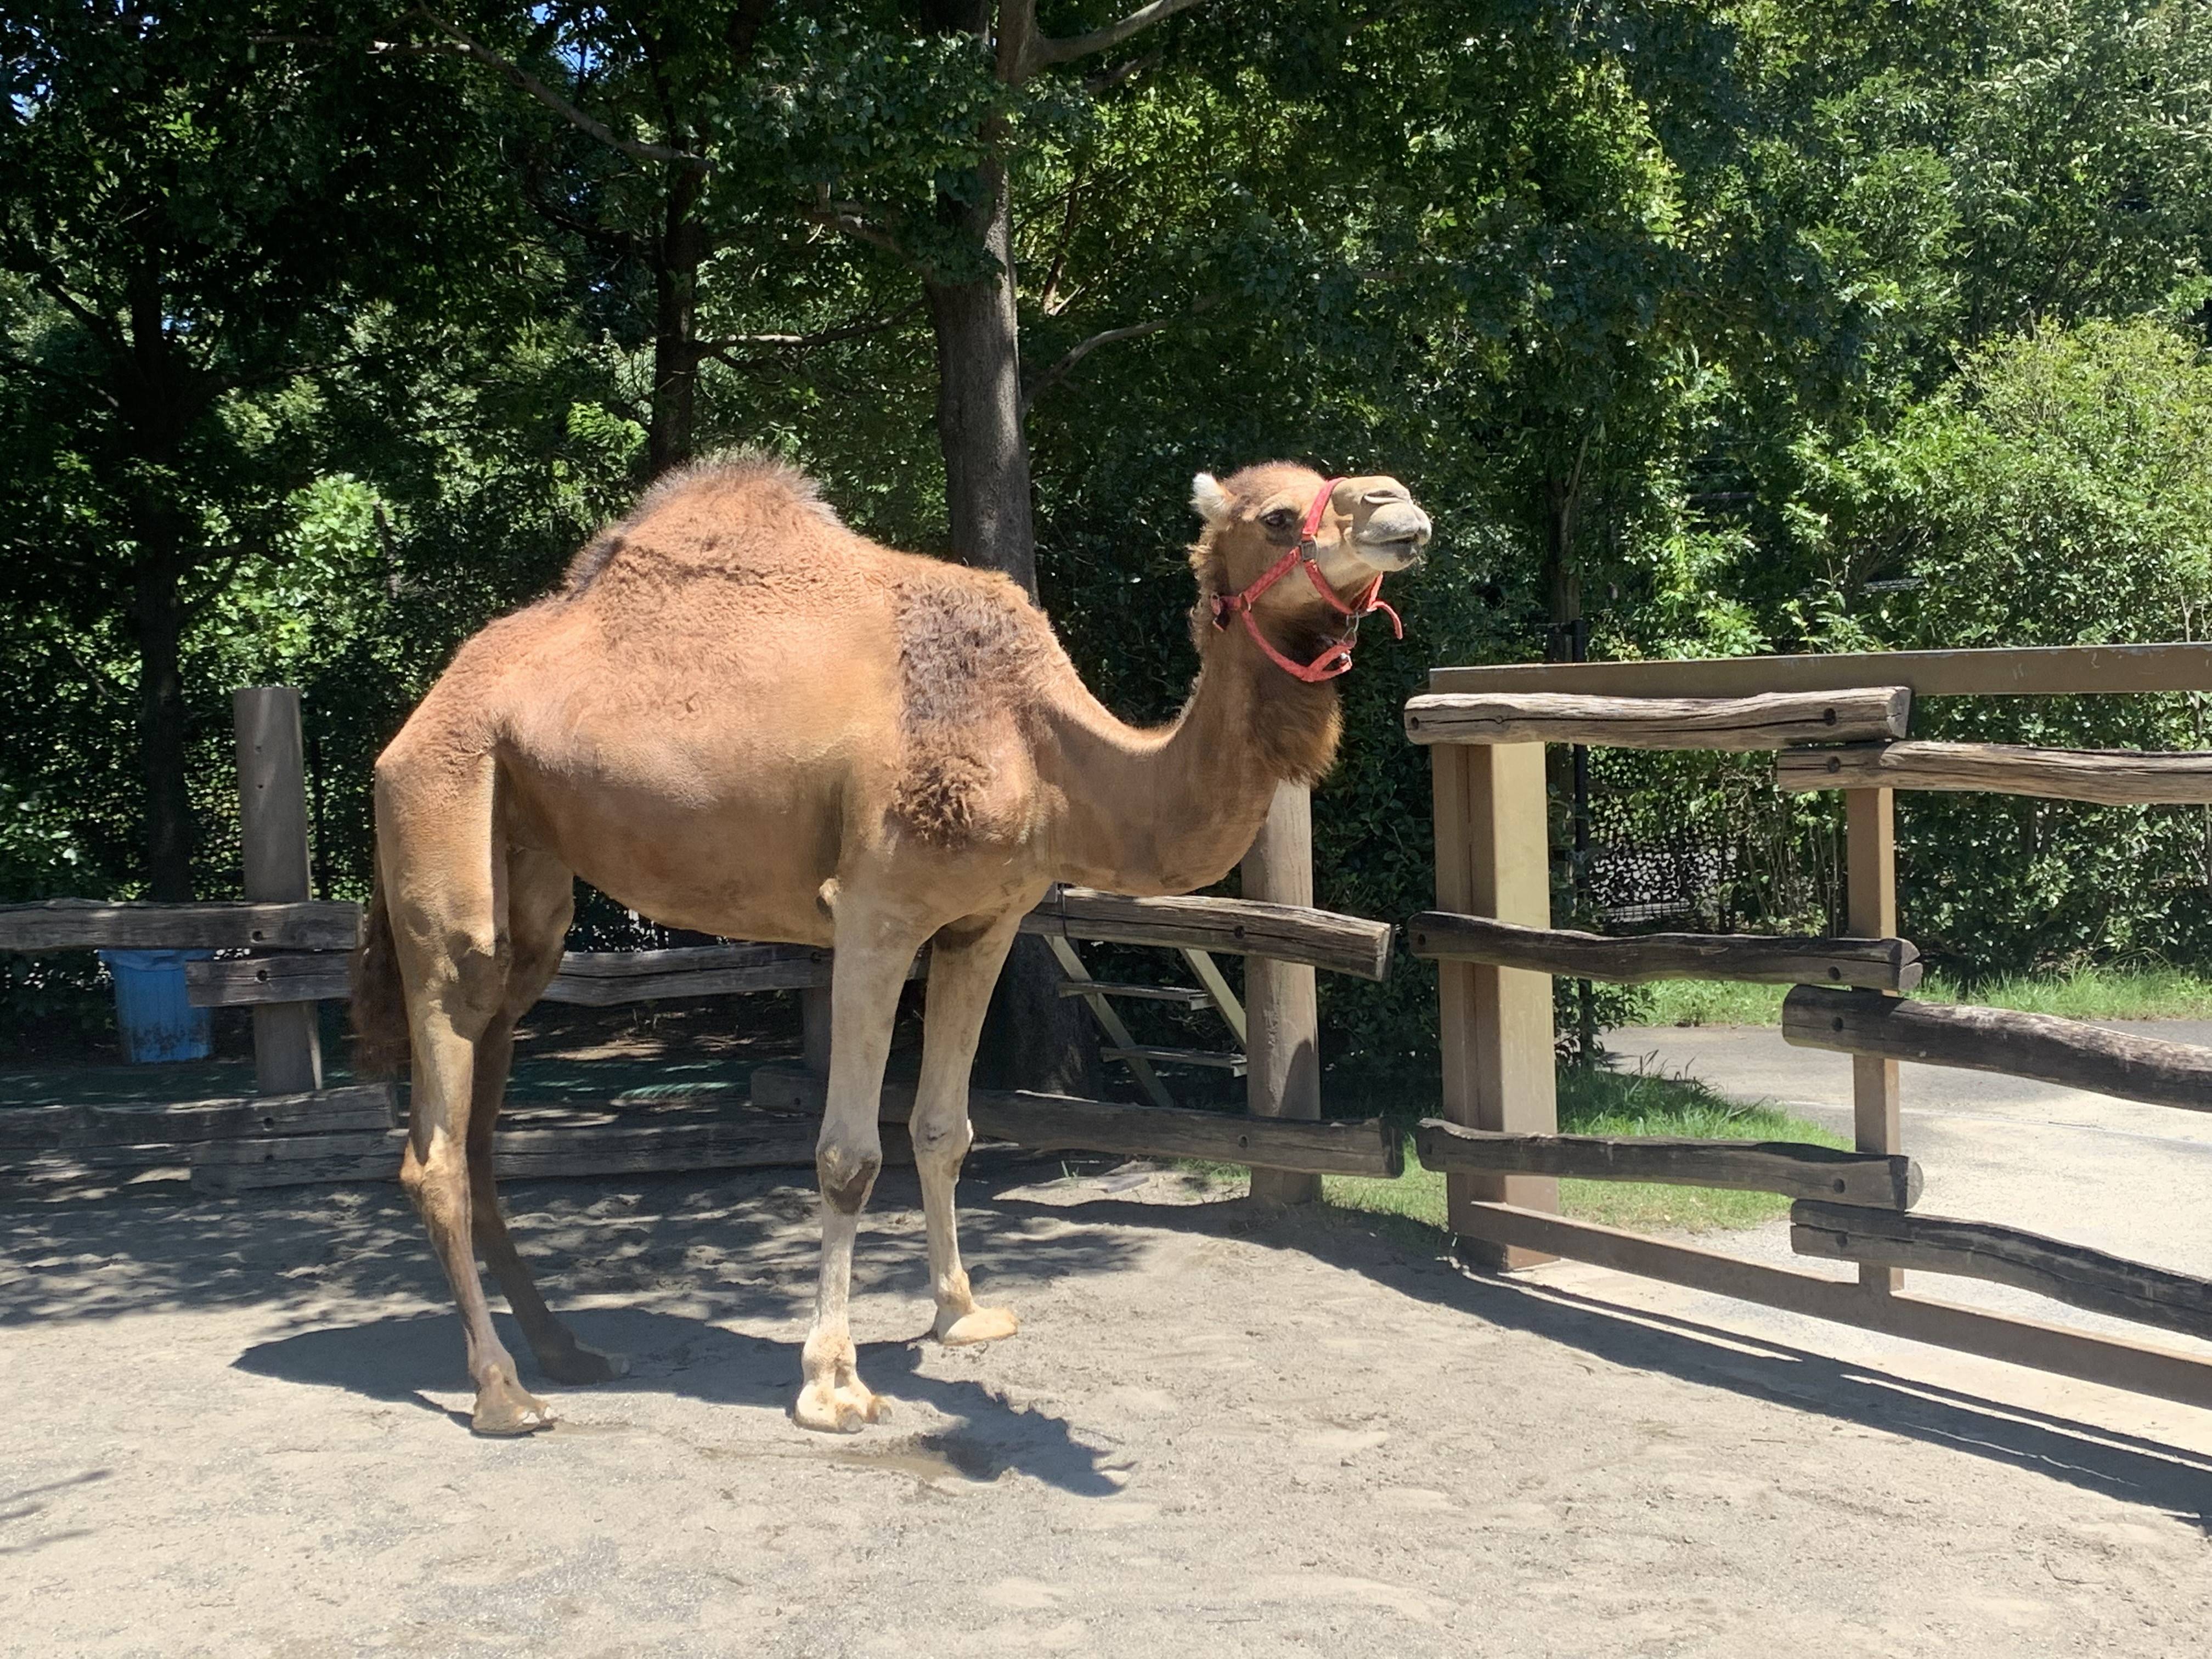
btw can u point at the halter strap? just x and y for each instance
(1335, 659)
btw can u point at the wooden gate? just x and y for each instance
(1836, 722)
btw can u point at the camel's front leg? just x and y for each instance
(870, 965)
(963, 967)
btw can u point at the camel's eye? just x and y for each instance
(1281, 518)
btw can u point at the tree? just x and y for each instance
(193, 236)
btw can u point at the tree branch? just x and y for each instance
(846, 216)
(197, 605)
(722, 349)
(1040, 51)
(82, 383)
(636, 147)
(625, 242)
(1106, 80)
(1060, 370)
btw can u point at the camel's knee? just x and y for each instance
(940, 1139)
(847, 1170)
(477, 965)
(457, 968)
(437, 1183)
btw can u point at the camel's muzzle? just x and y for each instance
(1393, 533)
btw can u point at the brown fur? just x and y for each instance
(380, 1002)
(972, 650)
(741, 478)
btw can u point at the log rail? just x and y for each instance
(1793, 1169)
(303, 945)
(1880, 964)
(2068, 1052)
(2103, 777)
(2072, 1274)
(1738, 724)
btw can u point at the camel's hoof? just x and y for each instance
(837, 1411)
(503, 1408)
(976, 1325)
(581, 1367)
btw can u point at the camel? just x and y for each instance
(737, 715)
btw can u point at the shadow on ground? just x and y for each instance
(692, 1251)
(401, 1360)
(738, 1244)
(2128, 1468)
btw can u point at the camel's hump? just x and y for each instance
(698, 515)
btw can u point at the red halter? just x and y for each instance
(1335, 659)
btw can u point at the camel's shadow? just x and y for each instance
(403, 1359)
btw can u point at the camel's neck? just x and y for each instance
(1171, 810)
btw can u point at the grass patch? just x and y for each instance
(2086, 993)
(1608, 1103)
(1713, 1002)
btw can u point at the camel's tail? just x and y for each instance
(379, 997)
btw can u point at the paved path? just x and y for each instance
(2128, 1178)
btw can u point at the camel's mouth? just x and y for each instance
(1394, 532)
(1397, 553)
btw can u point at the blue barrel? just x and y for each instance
(151, 1012)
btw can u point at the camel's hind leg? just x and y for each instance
(444, 883)
(963, 967)
(540, 902)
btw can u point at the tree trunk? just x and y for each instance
(669, 440)
(1033, 1037)
(979, 393)
(155, 397)
(157, 617)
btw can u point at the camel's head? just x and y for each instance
(1370, 526)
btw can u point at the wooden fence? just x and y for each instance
(293, 950)
(1835, 722)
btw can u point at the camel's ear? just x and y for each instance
(1210, 500)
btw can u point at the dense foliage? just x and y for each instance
(327, 329)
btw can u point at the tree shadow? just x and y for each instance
(400, 1360)
(635, 1237)
(2114, 1463)
(628, 1237)
(17, 1507)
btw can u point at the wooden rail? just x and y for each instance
(1880, 964)
(170, 1128)
(2114, 1361)
(1041, 1122)
(1790, 1168)
(2051, 1050)
(2033, 671)
(2108, 777)
(303, 945)
(1282, 933)
(712, 1143)
(591, 979)
(2072, 1274)
(69, 924)
(1770, 720)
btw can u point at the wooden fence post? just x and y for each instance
(1870, 902)
(814, 1028)
(1494, 860)
(272, 815)
(1282, 1027)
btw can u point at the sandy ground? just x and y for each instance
(238, 1427)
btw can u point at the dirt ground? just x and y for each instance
(237, 1427)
